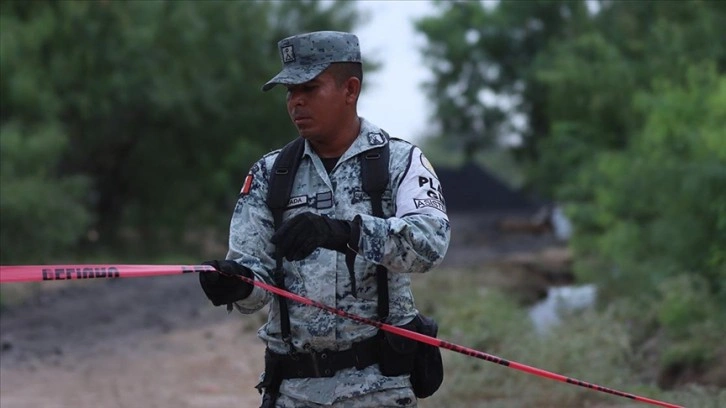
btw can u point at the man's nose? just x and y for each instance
(295, 98)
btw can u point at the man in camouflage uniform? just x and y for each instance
(329, 215)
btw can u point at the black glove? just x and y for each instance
(225, 288)
(299, 236)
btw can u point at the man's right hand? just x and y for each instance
(225, 288)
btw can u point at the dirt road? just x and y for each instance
(152, 342)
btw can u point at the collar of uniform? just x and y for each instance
(369, 137)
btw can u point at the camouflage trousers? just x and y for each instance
(393, 398)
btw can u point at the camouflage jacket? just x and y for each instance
(412, 239)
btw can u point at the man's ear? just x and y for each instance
(352, 90)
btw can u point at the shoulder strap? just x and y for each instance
(374, 171)
(282, 176)
(278, 194)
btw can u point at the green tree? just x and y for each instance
(481, 57)
(658, 208)
(42, 215)
(558, 75)
(651, 220)
(160, 101)
(591, 80)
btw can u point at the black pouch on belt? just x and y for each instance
(397, 352)
(428, 370)
(400, 355)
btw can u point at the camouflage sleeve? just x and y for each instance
(417, 237)
(250, 230)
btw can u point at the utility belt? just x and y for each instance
(324, 363)
(395, 355)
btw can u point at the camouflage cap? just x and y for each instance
(305, 56)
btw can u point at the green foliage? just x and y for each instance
(688, 310)
(655, 209)
(557, 74)
(482, 59)
(649, 218)
(42, 215)
(621, 112)
(159, 101)
(591, 80)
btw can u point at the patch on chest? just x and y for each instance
(297, 201)
(321, 201)
(324, 200)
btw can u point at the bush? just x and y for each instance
(42, 215)
(656, 210)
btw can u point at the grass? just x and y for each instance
(592, 346)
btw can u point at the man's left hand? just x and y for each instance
(298, 237)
